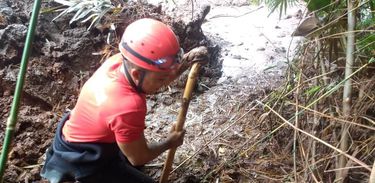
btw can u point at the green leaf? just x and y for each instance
(372, 60)
(312, 90)
(314, 5)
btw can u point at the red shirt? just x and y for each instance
(108, 108)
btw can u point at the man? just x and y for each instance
(102, 139)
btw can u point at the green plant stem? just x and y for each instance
(12, 120)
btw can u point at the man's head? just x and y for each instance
(151, 52)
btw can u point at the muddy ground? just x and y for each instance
(64, 56)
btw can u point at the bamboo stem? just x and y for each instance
(12, 120)
(295, 131)
(192, 78)
(344, 142)
(315, 116)
(372, 176)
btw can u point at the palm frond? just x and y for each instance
(282, 5)
(93, 10)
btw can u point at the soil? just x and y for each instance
(63, 57)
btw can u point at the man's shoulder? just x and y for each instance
(132, 101)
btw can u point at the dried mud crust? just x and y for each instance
(61, 61)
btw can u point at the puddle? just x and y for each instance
(254, 43)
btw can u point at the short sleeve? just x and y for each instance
(128, 127)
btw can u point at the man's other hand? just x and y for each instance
(175, 138)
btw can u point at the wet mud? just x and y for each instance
(63, 56)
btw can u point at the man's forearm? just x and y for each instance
(157, 148)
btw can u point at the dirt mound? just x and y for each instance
(61, 61)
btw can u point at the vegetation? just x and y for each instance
(91, 10)
(329, 96)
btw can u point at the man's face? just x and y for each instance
(153, 81)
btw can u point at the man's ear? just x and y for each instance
(135, 74)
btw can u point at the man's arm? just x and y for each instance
(139, 152)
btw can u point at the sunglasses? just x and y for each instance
(169, 62)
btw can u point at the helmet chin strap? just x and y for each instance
(138, 87)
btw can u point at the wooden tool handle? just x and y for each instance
(192, 78)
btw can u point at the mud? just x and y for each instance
(61, 61)
(253, 57)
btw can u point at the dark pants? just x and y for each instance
(117, 172)
(88, 162)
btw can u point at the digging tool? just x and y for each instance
(12, 120)
(192, 78)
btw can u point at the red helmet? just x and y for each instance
(150, 44)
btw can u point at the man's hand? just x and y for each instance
(175, 138)
(199, 54)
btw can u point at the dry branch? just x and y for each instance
(319, 140)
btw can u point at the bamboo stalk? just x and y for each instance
(315, 116)
(295, 131)
(193, 74)
(347, 95)
(372, 176)
(12, 120)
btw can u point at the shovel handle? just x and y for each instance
(192, 78)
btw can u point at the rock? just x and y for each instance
(307, 26)
(237, 57)
(6, 14)
(298, 14)
(11, 41)
(281, 35)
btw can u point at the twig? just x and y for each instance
(319, 76)
(192, 9)
(237, 16)
(367, 167)
(338, 35)
(332, 117)
(216, 136)
(344, 168)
